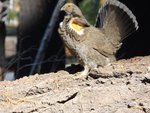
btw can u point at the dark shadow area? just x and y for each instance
(138, 44)
(34, 18)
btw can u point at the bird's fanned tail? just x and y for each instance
(116, 19)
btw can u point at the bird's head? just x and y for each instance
(71, 9)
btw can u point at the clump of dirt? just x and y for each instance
(121, 87)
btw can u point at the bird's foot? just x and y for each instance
(80, 75)
(84, 74)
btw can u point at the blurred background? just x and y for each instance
(23, 24)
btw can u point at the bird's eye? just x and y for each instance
(69, 5)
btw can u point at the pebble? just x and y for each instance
(132, 104)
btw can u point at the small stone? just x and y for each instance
(141, 104)
(132, 104)
(101, 81)
(87, 84)
(128, 82)
(92, 109)
(148, 68)
(146, 110)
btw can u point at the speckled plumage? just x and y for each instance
(96, 46)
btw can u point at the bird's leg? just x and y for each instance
(86, 71)
(82, 74)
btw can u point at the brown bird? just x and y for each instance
(96, 46)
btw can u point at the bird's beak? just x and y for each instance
(62, 9)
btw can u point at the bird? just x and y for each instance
(96, 45)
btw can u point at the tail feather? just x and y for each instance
(116, 18)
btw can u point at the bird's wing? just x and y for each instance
(93, 37)
(116, 20)
(81, 21)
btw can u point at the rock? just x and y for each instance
(128, 92)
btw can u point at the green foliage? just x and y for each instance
(12, 15)
(89, 9)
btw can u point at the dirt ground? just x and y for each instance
(121, 87)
